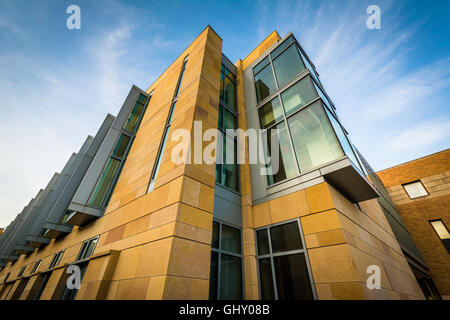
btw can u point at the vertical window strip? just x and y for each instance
(166, 129)
(108, 179)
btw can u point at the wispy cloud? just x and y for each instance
(368, 73)
(49, 107)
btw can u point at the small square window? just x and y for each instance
(415, 189)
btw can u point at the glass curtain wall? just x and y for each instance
(293, 102)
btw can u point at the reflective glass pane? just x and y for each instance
(285, 237)
(263, 242)
(214, 275)
(270, 113)
(264, 83)
(309, 66)
(220, 125)
(280, 48)
(104, 183)
(344, 141)
(230, 173)
(141, 98)
(215, 235)
(231, 239)
(287, 65)
(314, 141)
(283, 165)
(298, 95)
(230, 93)
(121, 146)
(230, 277)
(266, 279)
(292, 277)
(135, 114)
(90, 248)
(222, 80)
(261, 65)
(229, 121)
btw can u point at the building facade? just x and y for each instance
(420, 190)
(140, 225)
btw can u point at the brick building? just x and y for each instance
(420, 190)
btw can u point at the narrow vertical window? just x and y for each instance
(442, 232)
(107, 181)
(226, 263)
(166, 130)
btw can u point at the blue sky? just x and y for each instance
(390, 86)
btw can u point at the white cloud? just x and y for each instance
(50, 107)
(368, 73)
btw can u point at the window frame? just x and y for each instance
(328, 109)
(131, 135)
(223, 108)
(165, 135)
(83, 248)
(272, 255)
(220, 251)
(56, 259)
(446, 246)
(415, 181)
(22, 270)
(36, 266)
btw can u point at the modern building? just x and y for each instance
(142, 225)
(420, 189)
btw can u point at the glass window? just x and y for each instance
(286, 237)
(214, 275)
(287, 65)
(22, 270)
(442, 232)
(121, 146)
(263, 242)
(226, 280)
(343, 139)
(313, 138)
(36, 267)
(231, 239)
(230, 277)
(230, 171)
(104, 183)
(299, 95)
(42, 285)
(264, 83)
(141, 98)
(282, 46)
(215, 235)
(292, 277)
(270, 113)
(266, 279)
(229, 120)
(287, 260)
(415, 190)
(309, 66)
(287, 167)
(135, 115)
(87, 248)
(261, 65)
(230, 93)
